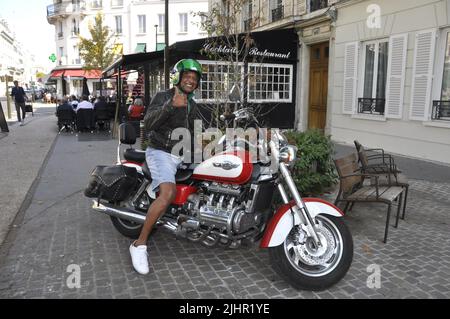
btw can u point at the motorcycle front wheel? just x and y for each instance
(306, 267)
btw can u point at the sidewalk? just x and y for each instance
(23, 150)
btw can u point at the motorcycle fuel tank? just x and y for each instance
(226, 167)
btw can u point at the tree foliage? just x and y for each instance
(98, 51)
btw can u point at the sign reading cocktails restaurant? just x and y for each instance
(254, 51)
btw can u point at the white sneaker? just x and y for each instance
(139, 258)
(22, 123)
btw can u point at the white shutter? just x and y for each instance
(350, 78)
(422, 74)
(398, 46)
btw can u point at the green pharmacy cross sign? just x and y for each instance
(52, 57)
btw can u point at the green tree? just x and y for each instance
(97, 52)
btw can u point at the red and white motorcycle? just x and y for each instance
(227, 200)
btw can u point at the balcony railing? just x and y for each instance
(277, 13)
(55, 9)
(315, 5)
(60, 35)
(371, 106)
(75, 32)
(441, 111)
(65, 7)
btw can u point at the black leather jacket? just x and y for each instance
(162, 118)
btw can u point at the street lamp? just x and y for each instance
(156, 37)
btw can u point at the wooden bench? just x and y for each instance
(376, 161)
(353, 189)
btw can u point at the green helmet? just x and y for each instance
(185, 65)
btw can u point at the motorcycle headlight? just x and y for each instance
(288, 154)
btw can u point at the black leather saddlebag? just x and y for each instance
(111, 183)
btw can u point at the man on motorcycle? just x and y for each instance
(168, 110)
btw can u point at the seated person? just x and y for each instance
(100, 103)
(136, 110)
(65, 113)
(74, 101)
(84, 104)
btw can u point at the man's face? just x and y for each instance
(189, 81)
(16, 83)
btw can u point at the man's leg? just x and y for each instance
(22, 106)
(167, 194)
(138, 249)
(19, 117)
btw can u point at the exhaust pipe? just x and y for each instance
(122, 212)
(134, 216)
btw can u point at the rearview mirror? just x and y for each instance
(235, 94)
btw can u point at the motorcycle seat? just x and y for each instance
(133, 155)
(182, 174)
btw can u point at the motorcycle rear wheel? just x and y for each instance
(306, 269)
(127, 228)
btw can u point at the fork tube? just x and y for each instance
(298, 200)
(283, 194)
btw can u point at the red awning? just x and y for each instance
(57, 73)
(92, 74)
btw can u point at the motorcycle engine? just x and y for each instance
(220, 207)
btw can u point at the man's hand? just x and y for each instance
(179, 99)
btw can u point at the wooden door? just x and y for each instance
(318, 86)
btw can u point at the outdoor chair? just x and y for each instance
(102, 119)
(85, 120)
(378, 162)
(66, 120)
(353, 189)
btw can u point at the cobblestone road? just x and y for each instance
(60, 230)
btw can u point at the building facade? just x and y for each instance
(377, 72)
(391, 77)
(15, 61)
(138, 26)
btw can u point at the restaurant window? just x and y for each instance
(218, 78)
(375, 63)
(269, 82)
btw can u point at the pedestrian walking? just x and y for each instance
(19, 99)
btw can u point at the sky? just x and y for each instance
(28, 19)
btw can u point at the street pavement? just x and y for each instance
(57, 233)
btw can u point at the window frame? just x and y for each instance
(216, 100)
(118, 18)
(272, 100)
(144, 17)
(161, 23)
(362, 74)
(438, 79)
(183, 27)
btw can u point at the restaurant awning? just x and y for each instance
(132, 61)
(91, 74)
(76, 74)
(56, 74)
